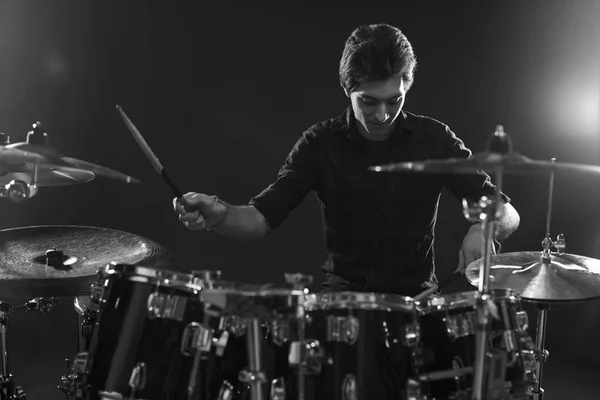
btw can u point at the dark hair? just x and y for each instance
(375, 53)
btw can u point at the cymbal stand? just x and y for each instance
(487, 211)
(254, 376)
(301, 282)
(541, 354)
(7, 385)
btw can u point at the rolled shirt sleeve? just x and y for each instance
(296, 178)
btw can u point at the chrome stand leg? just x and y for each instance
(8, 389)
(254, 375)
(541, 354)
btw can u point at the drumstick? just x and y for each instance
(440, 285)
(152, 157)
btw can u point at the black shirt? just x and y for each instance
(379, 227)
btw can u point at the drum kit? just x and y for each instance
(150, 332)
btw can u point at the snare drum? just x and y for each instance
(149, 338)
(448, 346)
(357, 346)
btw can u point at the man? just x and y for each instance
(379, 227)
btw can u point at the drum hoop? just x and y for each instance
(162, 277)
(460, 300)
(359, 301)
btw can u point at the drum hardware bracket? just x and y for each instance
(18, 191)
(206, 278)
(42, 304)
(70, 381)
(9, 390)
(234, 324)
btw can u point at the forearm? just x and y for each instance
(242, 222)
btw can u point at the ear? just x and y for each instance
(347, 92)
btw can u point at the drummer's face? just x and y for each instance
(376, 106)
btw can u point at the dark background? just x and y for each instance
(222, 91)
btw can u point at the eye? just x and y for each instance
(396, 100)
(368, 102)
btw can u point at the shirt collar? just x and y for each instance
(347, 122)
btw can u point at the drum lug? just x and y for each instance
(522, 321)
(459, 325)
(308, 355)
(413, 390)
(280, 329)
(137, 380)
(412, 334)
(96, 292)
(167, 306)
(277, 391)
(342, 329)
(349, 388)
(196, 337)
(226, 391)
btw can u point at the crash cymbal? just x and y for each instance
(567, 277)
(54, 166)
(58, 261)
(488, 162)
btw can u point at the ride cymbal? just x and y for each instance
(58, 261)
(566, 278)
(489, 162)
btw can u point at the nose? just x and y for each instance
(382, 114)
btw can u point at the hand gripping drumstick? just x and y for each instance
(152, 157)
(441, 284)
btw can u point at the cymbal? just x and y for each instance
(48, 175)
(488, 162)
(24, 272)
(566, 278)
(53, 167)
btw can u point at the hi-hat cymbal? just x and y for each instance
(24, 269)
(567, 277)
(48, 175)
(54, 168)
(488, 162)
